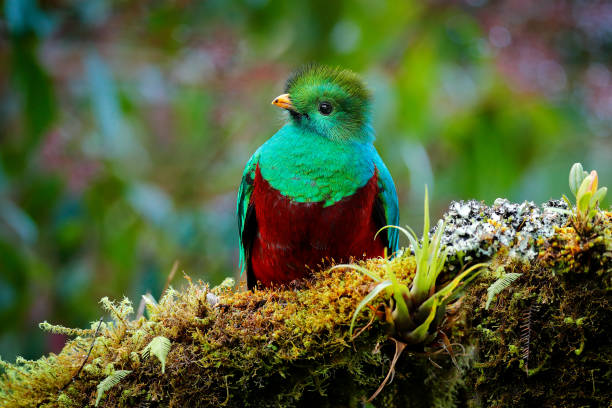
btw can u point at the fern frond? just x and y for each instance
(499, 285)
(109, 382)
(159, 347)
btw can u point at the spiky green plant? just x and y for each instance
(414, 313)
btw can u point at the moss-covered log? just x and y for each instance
(543, 340)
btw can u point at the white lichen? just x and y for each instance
(475, 230)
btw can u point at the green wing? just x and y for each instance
(247, 224)
(387, 199)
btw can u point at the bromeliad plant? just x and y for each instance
(414, 313)
(584, 188)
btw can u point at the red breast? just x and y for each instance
(294, 238)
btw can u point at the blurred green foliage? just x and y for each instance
(126, 126)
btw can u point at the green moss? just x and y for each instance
(262, 348)
(292, 347)
(545, 342)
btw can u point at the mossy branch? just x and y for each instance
(292, 347)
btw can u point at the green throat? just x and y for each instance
(306, 167)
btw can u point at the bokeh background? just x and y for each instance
(125, 126)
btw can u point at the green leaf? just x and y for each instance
(109, 382)
(499, 285)
(401, 314)
(420, 333)
(584, 187)
(426, 216)
(584, 201)
(436, 257)
(598, 196)
(568, 202)
(370, 296)
(576, 176)
(358, 268)
(159, 347)
(408, 232)
(450, 288)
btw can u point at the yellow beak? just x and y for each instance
(283, 101)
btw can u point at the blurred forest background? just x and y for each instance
(125, 126)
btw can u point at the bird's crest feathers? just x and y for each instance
(313, 74)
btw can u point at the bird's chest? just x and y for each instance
(282, 220)
(317, 171)
(292, 235)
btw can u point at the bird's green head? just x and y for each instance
(332, 102)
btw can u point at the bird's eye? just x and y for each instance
(325, 108)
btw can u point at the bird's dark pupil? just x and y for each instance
(325, 108)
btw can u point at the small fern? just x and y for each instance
(109, 382)
(159, 347)
(499, 285)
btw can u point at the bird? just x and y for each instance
(317, 191)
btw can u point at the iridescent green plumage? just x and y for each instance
(320, 156)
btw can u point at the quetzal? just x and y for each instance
(317, 190)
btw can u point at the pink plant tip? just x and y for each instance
(593, 184)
